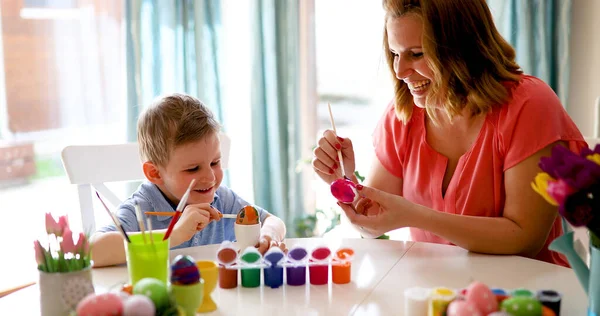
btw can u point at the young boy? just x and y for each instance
(179, 141)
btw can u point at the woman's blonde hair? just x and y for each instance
(172, 121)
(469, 58)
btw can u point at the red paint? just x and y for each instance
(321, 253)
(319, 274)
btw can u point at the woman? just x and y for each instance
(458, 147)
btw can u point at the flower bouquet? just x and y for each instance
(64, 267)
(572, 182)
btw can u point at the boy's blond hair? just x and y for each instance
(172, 121)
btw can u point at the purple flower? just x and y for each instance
(578, 209)
(576, 171)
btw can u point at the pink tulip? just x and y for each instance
(559, 190)
(67, 245)
(83, 246)
(63, 223)
(40, 257)
(52, 227)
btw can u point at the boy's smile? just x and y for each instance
(200, 160)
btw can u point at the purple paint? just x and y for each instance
(297, 254)
(296, 275)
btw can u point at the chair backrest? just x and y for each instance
(91, 166)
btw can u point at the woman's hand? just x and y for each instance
(377, 212)
(325, 158)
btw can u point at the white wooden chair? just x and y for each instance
(94, 165)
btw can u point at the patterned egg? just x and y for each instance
(522, 306)
(184, 271)
(462, 308)
(482, 297)
(104, 304)
(154, 289)
(499, 314)
(344, 190)
(248, 215)
(139, 305)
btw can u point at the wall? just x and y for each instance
(584, 85)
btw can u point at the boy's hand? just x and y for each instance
(195, 217)
(266, 242)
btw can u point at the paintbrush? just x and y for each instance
(114, 219)
(173, 213)
(138, 214)
(339, 152)
(179, 210)
(150, 231)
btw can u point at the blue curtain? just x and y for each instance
(275, 108)
(172, 46)
(539, 31)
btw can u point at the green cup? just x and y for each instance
(189, 296)
(147, 259)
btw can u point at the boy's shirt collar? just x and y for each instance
(154, 187)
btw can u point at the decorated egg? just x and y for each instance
(500, 313)
(521, 306)
(248, 215)
(462, 308)
(100, 305)
(344, 191)
(139, 305)
(154, 289)
(482, 297)
(184, 271)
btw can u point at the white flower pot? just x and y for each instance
(61, 292)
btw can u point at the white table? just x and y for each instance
(381, 270)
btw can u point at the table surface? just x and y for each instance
(381, 271)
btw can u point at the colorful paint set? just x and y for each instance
(479, 299)
(298, 260)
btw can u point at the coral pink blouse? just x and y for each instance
(533, 119)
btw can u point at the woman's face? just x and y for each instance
(410, 65)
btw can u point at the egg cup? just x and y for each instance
(188, 296)
(209, 273)
(246, 235)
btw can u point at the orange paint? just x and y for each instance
(341, 273)
(344, 253)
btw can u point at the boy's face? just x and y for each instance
(200, 160)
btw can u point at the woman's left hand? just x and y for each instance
(377, 212)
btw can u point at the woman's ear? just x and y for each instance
(152, 173)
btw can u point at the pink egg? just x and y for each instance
(139, 305)
(462, 308)
(482, 297)
(106, 304)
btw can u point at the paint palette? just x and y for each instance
(275, 262)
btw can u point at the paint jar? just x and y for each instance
(319, 266)
(296, 266)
